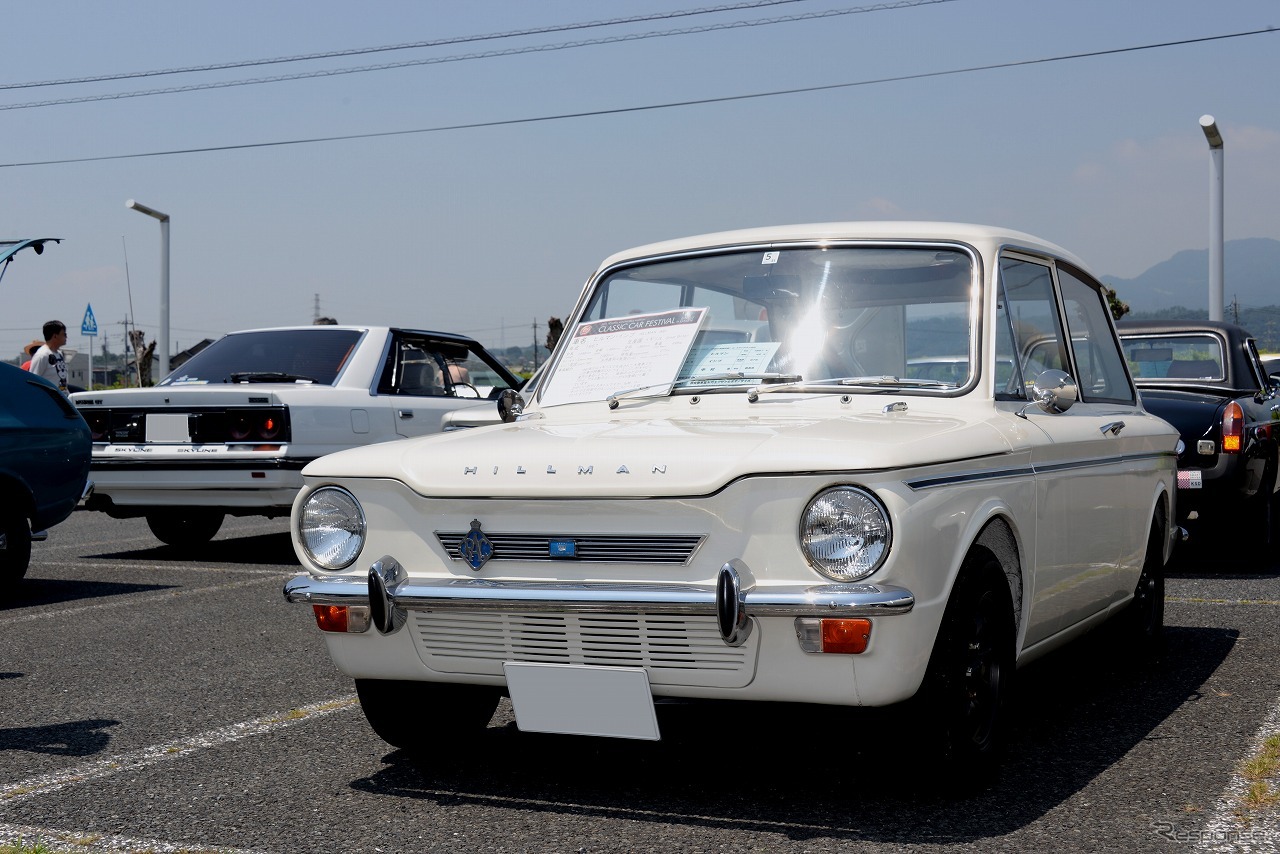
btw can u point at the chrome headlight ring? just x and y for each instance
(845, 533)
(331, 527)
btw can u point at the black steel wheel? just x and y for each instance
(15, 555)
(967, 684)
(184, 527)
(1145, 614)
(426, 717)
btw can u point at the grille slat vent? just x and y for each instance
(675, 651)
(661, 549)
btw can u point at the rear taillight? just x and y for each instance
(99, 423)
(1232, 428)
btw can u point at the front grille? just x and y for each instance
(674, 650)
(667, 549)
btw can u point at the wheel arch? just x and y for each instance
(15, 493)
(1163, 516)
(997, 537)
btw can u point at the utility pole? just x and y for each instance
(535, 344)
(1216, 259)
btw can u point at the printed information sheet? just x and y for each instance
(709, 360)
(622, 353)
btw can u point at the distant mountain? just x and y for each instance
(1251, 276)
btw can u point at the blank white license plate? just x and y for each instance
(1190, 479)
(578, 700)
(168, 428)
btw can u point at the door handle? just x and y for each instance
(1113, 428)
(408, 413)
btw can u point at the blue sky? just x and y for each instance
(488, 229)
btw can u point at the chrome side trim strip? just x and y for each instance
(822, 600)
(969, 477)
(1030, 471)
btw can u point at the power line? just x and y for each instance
(489, 54)
(304, 57)
(643, 108)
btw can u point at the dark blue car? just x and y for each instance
(44, 464)
(44, 453)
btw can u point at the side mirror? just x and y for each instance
(1054, 391)
(510, 405)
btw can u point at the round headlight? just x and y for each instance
(331, 527)
(845, 533)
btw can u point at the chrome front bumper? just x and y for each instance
(390, 595)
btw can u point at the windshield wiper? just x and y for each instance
(842, 383)
(893, 382)
(613, 399)
(761, 376)
(269, 377)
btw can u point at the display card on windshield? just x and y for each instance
(619, 354)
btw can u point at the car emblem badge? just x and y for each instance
(476, 547)
(562, 548)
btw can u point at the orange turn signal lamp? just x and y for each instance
(342, 618)
(1232, 428)
(845, 636)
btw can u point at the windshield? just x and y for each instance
(270, 355)
(846, 318)
(1181, 357)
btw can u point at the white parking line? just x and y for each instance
(115, 565)
(48, 839)
(45, 784)
(131, 601)
(1229, 829)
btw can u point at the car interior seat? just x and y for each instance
(1193, 369)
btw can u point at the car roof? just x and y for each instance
(440, 336)
(1148, 327)
(979, 236)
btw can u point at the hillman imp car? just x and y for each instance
(798, 516)
(229, 431)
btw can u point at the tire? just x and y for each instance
(1144, 618)
(15, 557)
(964, 697)
(426, 717)
(184, 527)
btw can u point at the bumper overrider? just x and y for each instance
(390, 595)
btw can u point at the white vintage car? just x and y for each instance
(229, 431)
(793, 515)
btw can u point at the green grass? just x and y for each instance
(1262, 771)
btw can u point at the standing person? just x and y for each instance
(48, 361)
(29, 351)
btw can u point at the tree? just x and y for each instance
(1118, 309)
(143, 353)
(555, 328)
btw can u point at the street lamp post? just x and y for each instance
(1216, 264)
(164, 280)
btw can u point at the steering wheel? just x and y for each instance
(475, 392)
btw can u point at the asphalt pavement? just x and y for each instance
(154, 702)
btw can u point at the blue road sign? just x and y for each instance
(89, 326)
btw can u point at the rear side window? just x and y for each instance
(279, 355)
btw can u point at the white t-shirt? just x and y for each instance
(51, 365)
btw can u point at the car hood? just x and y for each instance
(641, 457)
